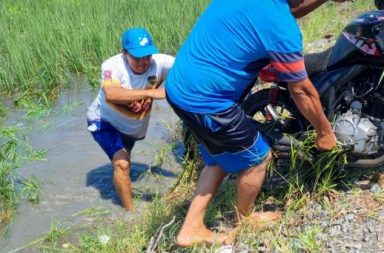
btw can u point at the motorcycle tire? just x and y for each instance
(253, 105)
(292, 122)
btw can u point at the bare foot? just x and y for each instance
(263, 219)
(192, 236)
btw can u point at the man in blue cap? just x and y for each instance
(119, 115)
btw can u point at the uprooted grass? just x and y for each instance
(311, 171)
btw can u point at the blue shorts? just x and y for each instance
(228, 138)
(109, 138)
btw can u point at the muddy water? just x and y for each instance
(77, 175)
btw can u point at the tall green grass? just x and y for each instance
(331, 18)
(42, 40)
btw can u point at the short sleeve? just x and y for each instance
(165, 62)
(288, 67)
(284, 48)
(286, 57)
(110, 74)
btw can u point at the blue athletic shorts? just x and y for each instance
(228, 138)
(109, 138)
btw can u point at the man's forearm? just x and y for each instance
(306, 7)
(307, 100)
(116, 94)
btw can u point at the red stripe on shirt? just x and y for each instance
(289, 67)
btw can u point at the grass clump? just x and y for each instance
(14, 151)
(312, 171)
(31, 189)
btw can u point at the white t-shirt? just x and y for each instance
(116, 71)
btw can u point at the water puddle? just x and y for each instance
(77, 175)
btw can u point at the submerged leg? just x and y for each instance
(121, 178)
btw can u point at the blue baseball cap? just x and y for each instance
(138, 42)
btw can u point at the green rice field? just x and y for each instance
(43, 41)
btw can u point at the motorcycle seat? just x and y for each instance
(317, 62)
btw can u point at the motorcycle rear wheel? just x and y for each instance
(289, 119)
(254, 106)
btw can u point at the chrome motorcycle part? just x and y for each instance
(357, 133)
(272, 112)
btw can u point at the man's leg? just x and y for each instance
(249, 185)
(193, 230)
(121, 178)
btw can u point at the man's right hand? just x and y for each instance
(325, 142)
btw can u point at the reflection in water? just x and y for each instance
(77, 175)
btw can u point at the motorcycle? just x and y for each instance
(349, 78)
